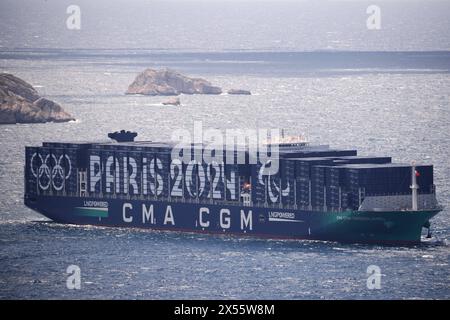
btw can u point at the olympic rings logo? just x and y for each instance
(55, 175)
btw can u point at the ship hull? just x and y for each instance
(384, 227)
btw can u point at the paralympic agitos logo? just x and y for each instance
(51, 170)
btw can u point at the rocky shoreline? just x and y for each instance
(21, 103)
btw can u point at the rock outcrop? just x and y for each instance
(239, 91)
(168, 82)
(20, 103)
(172, 102)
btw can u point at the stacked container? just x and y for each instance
(164, 157)
(231, 181)
(134, 173)
(303, 187)
(318, 187)
(32, 165)
(288, 185)
(362, 160)
(317, 178)
(316, 153)
(72, 157)
(259, 184)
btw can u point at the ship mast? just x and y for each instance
(414, 186)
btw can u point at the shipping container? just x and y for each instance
(334, 197)
(121, 180)
(233, 182)
(303, 166)
(152, 180)
(217, 180)
(109, 172)
(387, 179)
(287, 178)
(176, 178)
(45, 170)
(95, 173)
(259, 184)
(362, 160)
(71, 183)
(192, 180)
(304, 192)
(134, 173)
(60, 171)
(33, 163)
(316, 153)
(162, 170)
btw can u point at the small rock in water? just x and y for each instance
(239, 91)
(172, 102)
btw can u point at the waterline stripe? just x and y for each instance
(92, 212)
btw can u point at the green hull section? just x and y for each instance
(374, 226)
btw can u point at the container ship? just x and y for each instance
(318, 193)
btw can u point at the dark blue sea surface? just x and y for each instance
(394, 104)
(135, 264)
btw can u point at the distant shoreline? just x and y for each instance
(287, 63)
(199, 50)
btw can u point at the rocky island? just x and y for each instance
(166, 82)
(21, 103)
